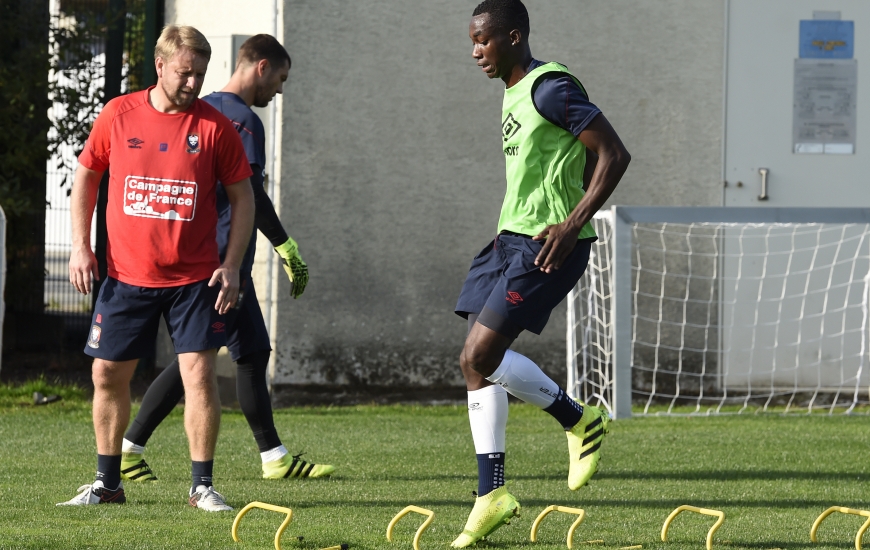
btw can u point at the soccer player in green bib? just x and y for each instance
(553, 139)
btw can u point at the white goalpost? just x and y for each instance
(705, 310)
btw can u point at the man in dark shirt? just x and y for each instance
(262, 68)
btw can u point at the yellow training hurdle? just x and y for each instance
(580, 513)
(407, 510)
(842, 510)
(705, 511)
(264, 506)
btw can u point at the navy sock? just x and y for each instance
(109, 470)
(490, 472)
(202, 473)
(565, 410)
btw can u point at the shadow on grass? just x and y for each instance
(664, 504)
(768, 545)
(734, 475)
(720, 475)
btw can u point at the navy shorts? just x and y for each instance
(126, 317)
(246, 329)
(505, 279)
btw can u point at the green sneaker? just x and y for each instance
(134, 468)
(490, 512)
(294, 466)
(584, 445)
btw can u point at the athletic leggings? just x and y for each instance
(167, 389)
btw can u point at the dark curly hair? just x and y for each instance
(505, 15)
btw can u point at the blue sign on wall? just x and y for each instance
(825, 39)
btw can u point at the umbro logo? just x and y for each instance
(135, 143)
(218, 327)
(513, 297)
(509, 127)
(474, 407)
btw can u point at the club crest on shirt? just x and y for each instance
(94, 337)
(193, 143)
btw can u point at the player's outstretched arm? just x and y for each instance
(241, 199)
(270, 226)
(600, 137)
(83, 198)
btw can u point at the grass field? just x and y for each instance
(771, 475)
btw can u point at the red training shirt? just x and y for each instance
(164, 168)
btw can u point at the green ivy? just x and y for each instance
(23, 105)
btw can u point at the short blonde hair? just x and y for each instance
(175, 37)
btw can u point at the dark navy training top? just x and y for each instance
(253, 135)
(561, 101)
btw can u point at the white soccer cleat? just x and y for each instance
(206, 498)
(96, 494)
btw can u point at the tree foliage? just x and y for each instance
(49, 60)
(75, 86)
(23, 105)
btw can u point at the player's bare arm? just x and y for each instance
(589, 168)
(82, 262)
(241, 198)
(600, 138)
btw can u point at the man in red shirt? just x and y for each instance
(166, 150)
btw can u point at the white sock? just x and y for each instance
(273, 454)
(128, 446)
(487, 413)
(525, 380)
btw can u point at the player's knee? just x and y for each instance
(479, 359)
(196, 368)
(201, 379)
(107, 375)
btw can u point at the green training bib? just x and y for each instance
(543, 163)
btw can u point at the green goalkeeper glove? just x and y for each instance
(296, 269)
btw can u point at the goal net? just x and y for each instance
(699, 310)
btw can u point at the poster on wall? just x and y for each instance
(825, 101)
(825, 88)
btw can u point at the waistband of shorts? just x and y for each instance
(512, 234)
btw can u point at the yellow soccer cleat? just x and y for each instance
(294, 466)
(490, 512)
(134, 468)
(584, 445)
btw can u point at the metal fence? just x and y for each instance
(88, 38)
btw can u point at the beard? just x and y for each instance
(261, 100)
(179, 99)
(262, 97)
